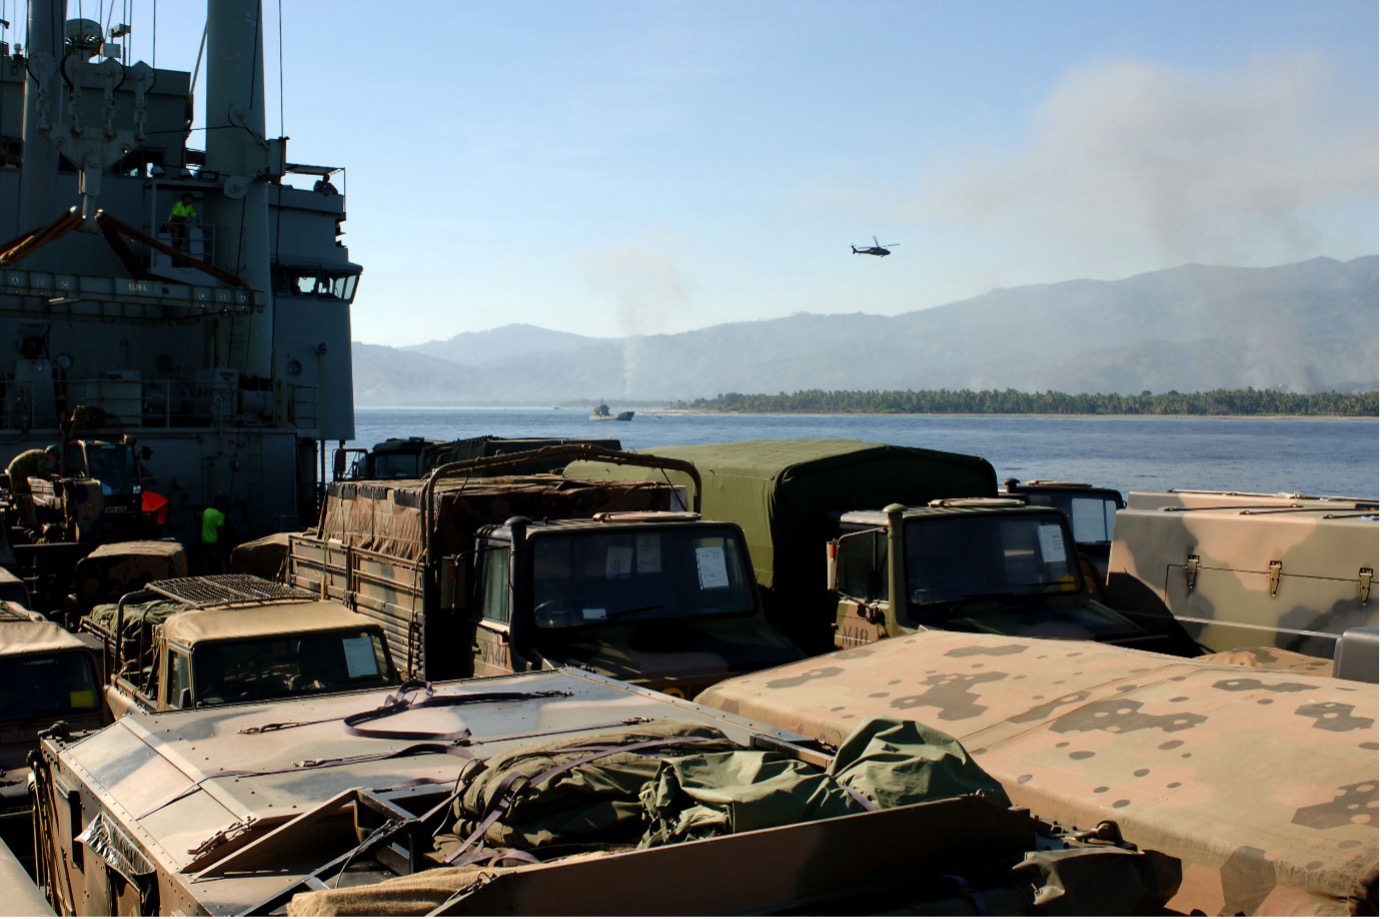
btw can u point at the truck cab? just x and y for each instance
(1090, 510)
(992, 565)
(198, 642)
(660, 599)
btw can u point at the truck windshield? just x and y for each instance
(41, 686)
(284, 665)
(1092, 514)
(396, 465)
(987, 555)
(593, 577)
(113, 465)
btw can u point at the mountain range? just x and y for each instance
(1305, 327)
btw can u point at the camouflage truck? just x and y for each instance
(548, 793)
(1264, 783)
(47, 675)
(1237, 569)
(992, 565)
(208, 641)
(472, 574)
(415, 457)
(787, 495)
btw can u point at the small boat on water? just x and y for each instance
(602, 412)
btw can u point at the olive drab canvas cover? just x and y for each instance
(1264, 783)
(388, 517)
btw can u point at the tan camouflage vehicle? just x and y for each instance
(209, 641)
(47, 675)
(549, 793)
(993, 565)
(1239, 570)
(473, 574)
(1264, 783)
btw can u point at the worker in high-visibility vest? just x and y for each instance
(183, 213)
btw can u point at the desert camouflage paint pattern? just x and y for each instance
(1265, 783)
(230, 811)
(1240, 570)
(263, 557)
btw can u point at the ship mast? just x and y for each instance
(238, 150)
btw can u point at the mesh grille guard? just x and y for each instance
(226, 590)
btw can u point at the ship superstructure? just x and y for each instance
(221, 342)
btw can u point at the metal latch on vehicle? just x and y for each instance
(1193, 562)
(1275, 572)
(1366, 579)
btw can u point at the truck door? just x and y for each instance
(493, 653)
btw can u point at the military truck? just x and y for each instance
(98, 494)
(1264, 783)
(1090, 510)
(415, 457)
(992, 565)
(470, 573)
(787, 495)
(547, 793)
(214, 640)
(47, 675)
(1240, 569)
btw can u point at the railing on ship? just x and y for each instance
(36, 405)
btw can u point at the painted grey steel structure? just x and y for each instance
(227, 354)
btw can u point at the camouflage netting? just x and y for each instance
(670, 782)
(388, 518)
(138, 623)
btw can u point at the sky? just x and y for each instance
(632, 167)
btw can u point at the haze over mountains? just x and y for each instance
(1307, 327)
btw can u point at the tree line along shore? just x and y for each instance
(1013, 402)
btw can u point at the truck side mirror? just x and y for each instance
(452, 575)
(338, 465)
(832, 547)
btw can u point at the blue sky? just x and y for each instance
(618, 167)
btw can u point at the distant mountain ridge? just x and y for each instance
(1306, 327)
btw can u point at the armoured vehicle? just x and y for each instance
(973, 565)
(47, 675)
(415, 457)
(208, 641)
(786, 496)
(1090, 509)
(558, 792)
(221, 344)
(1284, 571)
(471, 573)
(1264, 783)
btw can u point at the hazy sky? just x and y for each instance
(620, 167)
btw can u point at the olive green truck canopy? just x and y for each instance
(784, 493)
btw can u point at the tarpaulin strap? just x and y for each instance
(401, 700)
(450, 749)
(516, 782)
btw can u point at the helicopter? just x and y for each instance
(876, 249)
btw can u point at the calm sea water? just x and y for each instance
(1323, 456)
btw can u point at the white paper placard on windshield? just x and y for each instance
(360, 657)
(1051, 545)
(711, 567)
(619, 561)
(648, 553)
